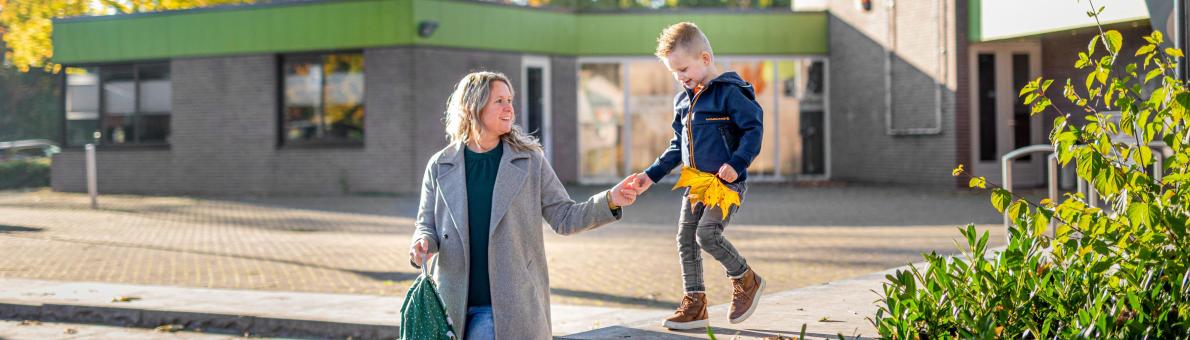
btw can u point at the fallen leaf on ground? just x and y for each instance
(125, 299)
(169, 328)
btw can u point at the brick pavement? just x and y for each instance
(795, 237)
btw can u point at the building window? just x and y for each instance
(82, 106)
(118, 104)
(625, 111)
(600, 120)
(323, 98)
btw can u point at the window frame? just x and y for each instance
(102, 142)
(777, 175)
(281, 141)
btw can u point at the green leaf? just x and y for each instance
(1001, 199)
(1145, 156)
(1046, 85)
(1154, 38)
(1083, 61)
(1173, 52)
(1017, 209)
(1145, 49)
(1139, 214)
(1152, 74)
(1114, 40)
(1039, 223)
(1068, 91)
(1091, 45)
(1107, 96)
(1029, 87)
(977, 182)
(1175, 178)
(1041, 105)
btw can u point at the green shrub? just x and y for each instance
(1120, 271)
(28, 173)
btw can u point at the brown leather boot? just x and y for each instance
(745, 295)
(691, 314)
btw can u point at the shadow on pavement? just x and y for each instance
(640, 302)
(378, 276)
(4, 229)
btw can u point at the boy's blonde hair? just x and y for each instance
(468, 100)
(682, 35)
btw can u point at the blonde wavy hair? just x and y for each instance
(465, 104)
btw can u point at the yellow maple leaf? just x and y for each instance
(706, 188)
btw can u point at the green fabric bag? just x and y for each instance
(423, 315)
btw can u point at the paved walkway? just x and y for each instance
(27, 329)
(795, 237)
(355, 246)
(40, 308)
(244, 311)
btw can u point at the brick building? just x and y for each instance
(325, 97)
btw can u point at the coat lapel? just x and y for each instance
(452, 182)
(510, 178)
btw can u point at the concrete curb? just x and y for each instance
(207, 322)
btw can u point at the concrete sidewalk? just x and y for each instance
(827, 310)
(262, 313)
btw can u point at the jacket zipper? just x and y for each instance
(690, 126)
(726, 146)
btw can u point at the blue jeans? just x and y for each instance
(479, 324)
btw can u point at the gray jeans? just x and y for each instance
(701, 228)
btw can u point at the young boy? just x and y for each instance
(717, 129)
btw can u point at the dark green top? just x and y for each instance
(481, 179)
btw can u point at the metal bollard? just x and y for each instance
(91, 177)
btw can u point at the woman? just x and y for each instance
(483, 200)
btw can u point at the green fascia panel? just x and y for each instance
(352, 24)
(505, 28)
(251, 29)
(745, 33)
(974, 21)
(496, 27)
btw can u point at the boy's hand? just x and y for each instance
(624, 194)
(643, 182)
(727, 173)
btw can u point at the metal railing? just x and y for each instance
(1087, 189)
(1051, 174)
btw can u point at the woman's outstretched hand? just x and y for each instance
(419, 252)
(624, 194)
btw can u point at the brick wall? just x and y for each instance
(224, 137)
(861, 149)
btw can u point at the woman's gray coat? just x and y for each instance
(526, 191)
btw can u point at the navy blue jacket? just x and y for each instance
(726, 127)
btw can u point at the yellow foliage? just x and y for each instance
(706, 188)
